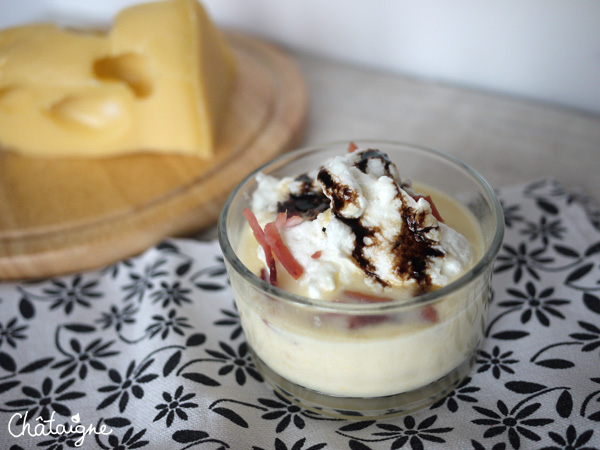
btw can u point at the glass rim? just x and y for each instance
(368, 308)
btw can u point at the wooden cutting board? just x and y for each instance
(64, 215)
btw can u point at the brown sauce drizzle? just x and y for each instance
(412, 250)
(340, 194)
(361, 232)
(305, 180)
(373, 154)
(308, 203)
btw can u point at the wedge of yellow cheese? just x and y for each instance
(159, 81)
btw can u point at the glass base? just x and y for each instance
(356, 408)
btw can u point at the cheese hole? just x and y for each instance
(130, 68)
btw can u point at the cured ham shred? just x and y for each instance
(360, 297)
(272, 244)
(292, 221)
(434, 209)
(259, 234)
(428, 313)
(280, 250)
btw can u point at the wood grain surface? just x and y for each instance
(64, 215)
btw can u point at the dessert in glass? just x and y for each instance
(362, 273)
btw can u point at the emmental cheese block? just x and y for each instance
(158, 81)
(60, 215)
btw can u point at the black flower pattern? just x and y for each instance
(68, 294)
(129, 440)
(139, 284)
(590, 336)
(570, 440)
(44, 400)
(164, 325)
(114, 269)
(540, 306)
(515, 423)
(545, 230)
(511, 214)
(173, 292)
(122, 385)
(175, 405)
(239, 362)
(118, 318)
(496, 446)
(412, 433)
(232, 319)
(12, 331)
(82, 358)
(463, 393)
(298, 445)
(496, 361)
(284, 411)
(521, 259)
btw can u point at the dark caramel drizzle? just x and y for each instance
(361, 232)
(373, 154)
(412, 250)
(340, 193)
(308, 203)
(341, 196)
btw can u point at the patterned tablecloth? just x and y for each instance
(149, 353)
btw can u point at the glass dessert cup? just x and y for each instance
(367, 360)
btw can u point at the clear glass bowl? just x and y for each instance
(396, 363)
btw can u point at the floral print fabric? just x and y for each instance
(149, 353)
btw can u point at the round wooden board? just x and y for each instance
(64, 215)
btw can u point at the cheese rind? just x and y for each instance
(159, 81)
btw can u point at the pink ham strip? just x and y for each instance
(352, 147)
(434, 210)
(259, 234)
(282, 253)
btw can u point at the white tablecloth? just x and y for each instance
(149, 353)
